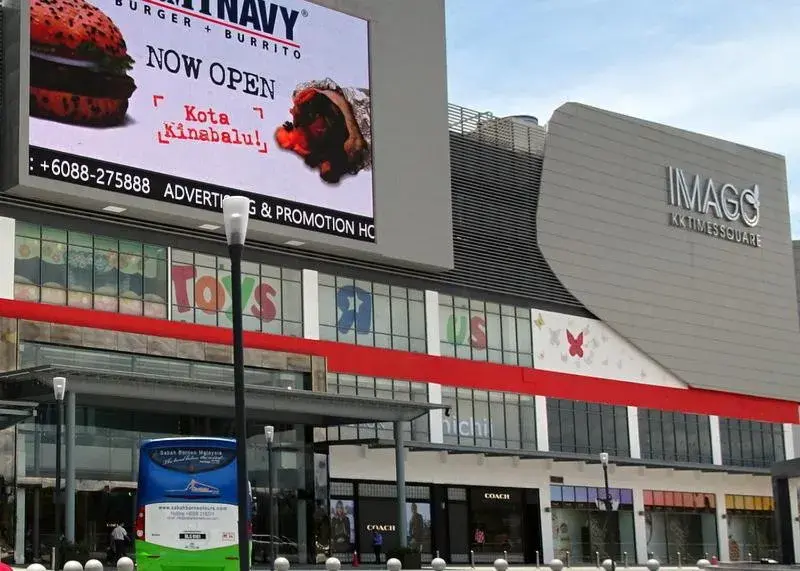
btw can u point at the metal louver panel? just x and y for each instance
(496, 168)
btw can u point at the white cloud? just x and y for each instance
(743, 88)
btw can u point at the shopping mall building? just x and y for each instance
(534, 295)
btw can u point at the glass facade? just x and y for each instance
(370, 313)
(675, 436)
(201, 293)
(584, 528)
(62, 267)
(484, 331)
(587, 428)
(751, 443)
(489, 419)
(751, 528)
(418, 430)
(682, 523)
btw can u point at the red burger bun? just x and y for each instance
(78, 109)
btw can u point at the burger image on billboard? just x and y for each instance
(79, 65)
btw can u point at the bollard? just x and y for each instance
(53, 562)
(568, 565)
(36, 567)
(597, 559)
(125, 564)
(537, 559)
(281, 564)
(333, 564)
(73, 566)
(703, 563)
(393, 564)
(472, 558)
(625, 559)
(556, 565)
(608, 565)
(505, 556)
(438, 564)
(501, 565)
(652, 564)
(680, 566)
(93, 565)
(749, 557)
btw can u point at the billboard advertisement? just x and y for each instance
(188, 101)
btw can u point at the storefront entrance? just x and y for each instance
(487, 523)
(96, 513)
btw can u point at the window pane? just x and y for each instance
(382, 313)
(400, 316)
(466, 418)
(528, 422)
(497, 425)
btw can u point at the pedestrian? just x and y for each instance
(377, 546)
(120, 537)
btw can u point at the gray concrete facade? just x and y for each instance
(719, 314)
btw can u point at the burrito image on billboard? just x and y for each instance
(188, 101)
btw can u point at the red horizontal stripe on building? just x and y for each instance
(401, 365)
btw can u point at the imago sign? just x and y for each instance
(719, 210)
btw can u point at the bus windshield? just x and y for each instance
(186, 504)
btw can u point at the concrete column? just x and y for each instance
(19, 535)
(633, 434)
(788, 441)
(542, 432)
(436, 417)
(793, 509)
(310, 285)
(547, 525)
(400, 477)
(7, 249)
(722, 528)
(22, 526)
(36, 534)
(716, 442)
(69, 433)
(432, 339)
(639, 527)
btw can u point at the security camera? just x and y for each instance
(448, 412)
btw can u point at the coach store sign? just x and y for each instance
(496, 496)
(717, 209)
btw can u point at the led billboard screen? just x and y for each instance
(187, 101)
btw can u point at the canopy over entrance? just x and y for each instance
(154, 393)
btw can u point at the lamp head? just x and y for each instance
(269, 433)
(59, 387)
(604, 458)
(236, 213)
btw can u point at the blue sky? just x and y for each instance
(723, 68)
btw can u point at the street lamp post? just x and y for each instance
(269, 434)
(236, 212)
(607, 500)
(59, 390)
